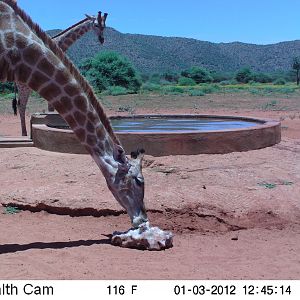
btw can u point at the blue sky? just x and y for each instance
(251, 21)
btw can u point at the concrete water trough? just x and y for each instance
(162, 135)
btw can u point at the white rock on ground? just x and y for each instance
(144, 237)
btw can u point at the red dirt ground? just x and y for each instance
(227, 223)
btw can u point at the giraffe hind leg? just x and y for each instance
(24, 93)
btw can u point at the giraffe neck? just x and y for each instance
(68, 37)
(25, 58)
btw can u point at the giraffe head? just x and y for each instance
(128, 185)
(99, 25)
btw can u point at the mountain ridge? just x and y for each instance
(156, 54)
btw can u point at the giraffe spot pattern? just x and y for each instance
(21, 42)
(90, 127)
(14, 56)
(72, 90)
(100, 132)
(80, 134)
(50, 91)
(80, 118)
(21, 28)
(67, 103)
(9, 40)
(81, 103)
(5, 22)
(32, 54)
(71, 121)
(62, 77)
(91, 140)
(45, 66)
(92, 116)
(37, 79)
(23, 72)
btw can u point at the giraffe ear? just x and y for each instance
(139, 154)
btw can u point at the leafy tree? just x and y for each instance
(108, 69)
(199, 75)
(244, 75)
(296, 67)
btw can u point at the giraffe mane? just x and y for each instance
(69, 28)
(71, 67)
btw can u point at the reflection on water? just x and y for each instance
(176, 124)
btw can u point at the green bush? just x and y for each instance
(151, 87)
(196, 92)
(117, 90)
(210, 88)
(170, 76)
(262, 77)
(108, 69)
(173, 90)
(279, 81)
(244, 75)
(199, 75)
(185, 81)
(228, 82)
(220, 76)
(155, 78)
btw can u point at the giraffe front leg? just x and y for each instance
(24, 93)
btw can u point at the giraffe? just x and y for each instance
(29, 56)
(64, 39)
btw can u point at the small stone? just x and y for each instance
(235, 238)
(144, 238)
(184, 176)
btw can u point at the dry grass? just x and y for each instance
(154, 102)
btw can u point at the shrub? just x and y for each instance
(108, 69)
(196, 92)
(117, 90)
(228, 82)
(220, 76)
(173, 90)
(262, 77)
(244, 75)
(151, 87)
(279, 81)
(170, 76)
(185, 81)
(155, 78)
(199, 75)
(210, 88)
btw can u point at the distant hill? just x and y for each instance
(150, 54)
